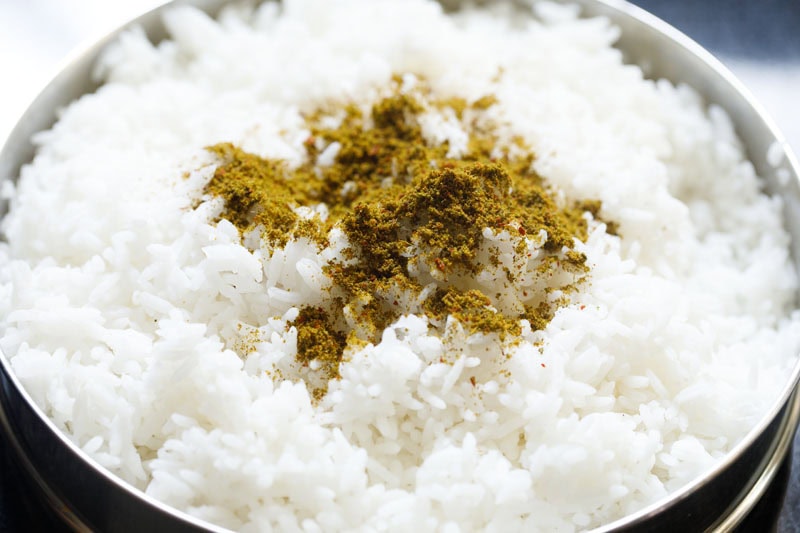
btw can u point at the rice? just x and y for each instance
(128, 304)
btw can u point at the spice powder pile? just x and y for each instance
(414, 216)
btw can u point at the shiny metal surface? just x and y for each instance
(91, 499)
(738, 510)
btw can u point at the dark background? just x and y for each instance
(760, 30)
(763, 32)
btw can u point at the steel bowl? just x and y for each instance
(89, 498)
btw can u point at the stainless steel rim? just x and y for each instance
(751, 494)
(773, 462)
(719, 86)
(726, 82)
(56, 504)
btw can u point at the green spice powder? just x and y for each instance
(391, 192)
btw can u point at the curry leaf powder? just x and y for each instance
(402, 202)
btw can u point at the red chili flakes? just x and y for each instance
(472, 380)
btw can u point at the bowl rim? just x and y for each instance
(790, 162)
(86, 55)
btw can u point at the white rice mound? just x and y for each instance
(123, 308)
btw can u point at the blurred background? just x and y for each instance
(759, 40)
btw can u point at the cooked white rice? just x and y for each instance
(122, 305)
